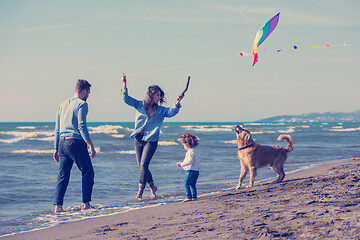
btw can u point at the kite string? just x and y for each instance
(207, 61)
(182, 66)
(247, 23)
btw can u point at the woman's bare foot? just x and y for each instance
(85, 206)
(139, 194)
(187, 200)
(153, 190)
(58, 208)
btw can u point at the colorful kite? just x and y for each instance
(262, 34)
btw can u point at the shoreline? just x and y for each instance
(319, 202)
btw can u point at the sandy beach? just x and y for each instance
(318, 203)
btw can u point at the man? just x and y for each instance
(71, 141)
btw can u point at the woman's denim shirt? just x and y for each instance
(150, 124)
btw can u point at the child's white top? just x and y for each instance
(192, 160)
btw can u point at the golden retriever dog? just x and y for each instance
(253, 156)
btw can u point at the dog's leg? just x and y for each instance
(280, 173)
(243, 173)
(253, 174)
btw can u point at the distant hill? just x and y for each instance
(316, 117)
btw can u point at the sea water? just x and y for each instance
(28, 173)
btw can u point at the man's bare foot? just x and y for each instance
(187, 200)
(85, 206)
(58, 208)
(139, 194)
(153, 190)
(193, 199)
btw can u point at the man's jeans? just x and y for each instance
(70, 151)
(190, 179)
(144, 153)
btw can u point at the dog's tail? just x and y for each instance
(289, 141)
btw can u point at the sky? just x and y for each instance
(47, 45)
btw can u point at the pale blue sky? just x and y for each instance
(47, 45)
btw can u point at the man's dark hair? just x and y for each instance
(82, 84)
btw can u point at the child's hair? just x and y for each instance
(189, 139)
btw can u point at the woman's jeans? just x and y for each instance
(144, 153)
(70, 151)
(190, 179)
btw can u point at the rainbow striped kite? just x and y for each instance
(262, 34)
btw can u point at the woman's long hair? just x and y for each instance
(149, 104)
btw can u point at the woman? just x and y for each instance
(149, 117)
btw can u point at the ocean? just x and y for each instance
(28, 173)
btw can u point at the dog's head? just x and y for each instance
(243, 136)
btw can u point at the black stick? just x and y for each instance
(187, 85)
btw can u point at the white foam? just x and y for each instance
(126, 152)
(165, 143)
(105, 129)
(12, 140)
(32, 151)
(228, 126)
(73, 214)
(290, 130)
(29, 127)
(230, 142)
(263, 124)
(46, 139)
(256, 124)
(26, 151)
(28, 134)
(118, 135)
(20, 136)
(262, 132)
(304, 126)
(209, 128)
(345, 129)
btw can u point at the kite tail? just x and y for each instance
(255, 58)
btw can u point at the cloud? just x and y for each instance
(46, 28)
(257, 10)
(311, 19)
(168, 19)
(154, 16)
(291, 17)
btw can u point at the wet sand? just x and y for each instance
(318, 203)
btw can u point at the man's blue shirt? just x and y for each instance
(71, 120)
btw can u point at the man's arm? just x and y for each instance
(56, 155)
(83, 110)
(92, 152)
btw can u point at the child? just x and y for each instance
(191, 165)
